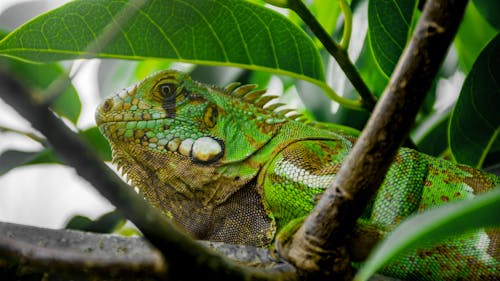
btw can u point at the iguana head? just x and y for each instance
(170, 113)
(188, 147)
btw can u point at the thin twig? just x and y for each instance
(340, 54)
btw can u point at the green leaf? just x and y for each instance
(98, 142)
(475, 122)
(435, 140)
(474, 33)
(39, 77)
(490, 9)
(389, 22)
(327, 13)
(78, 222)
(106, 223)
(11, 159)
(434, 225)
(370, 72)
(229, 32)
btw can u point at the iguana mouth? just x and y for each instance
(202, 149)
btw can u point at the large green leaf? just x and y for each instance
(490, 9)
(474, 33)
(475, 123)
(367, 66)
(434, 225)
(219, 32)
(389, 22)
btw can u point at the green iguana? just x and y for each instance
(227, 166)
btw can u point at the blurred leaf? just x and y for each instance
(260, 78)
(389, 23)
(216, 75)
(233, 33)
(474, 33)
(98, 142)
(18, 13)
(146, 67)
(113, 75)
(78, 222)
(128, 231)
(490, 9)
(370, 72)
(106, 223)
(434, 225)
(475, 122)
(327, 13)
(492, 162)
(435, 140)
(11, 159)
(118, 74)
(39, 77)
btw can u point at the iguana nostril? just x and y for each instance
(107, 105)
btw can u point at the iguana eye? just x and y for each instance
(168, 91)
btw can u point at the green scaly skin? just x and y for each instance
(227, 169)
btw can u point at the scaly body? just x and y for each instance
(227, 168)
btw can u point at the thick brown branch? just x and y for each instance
(27, 250)
(68, 253)
(320, 242)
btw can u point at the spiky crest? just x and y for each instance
(247, 94)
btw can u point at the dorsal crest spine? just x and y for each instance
(247, 93)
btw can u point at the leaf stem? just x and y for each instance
(346, 35)
(26, 134)
(336, 50)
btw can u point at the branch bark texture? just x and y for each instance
(28, 251)
(318, 248)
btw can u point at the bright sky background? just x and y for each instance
(47, 195)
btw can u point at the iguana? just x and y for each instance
(226, 165)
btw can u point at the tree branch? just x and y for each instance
(320, 244)
(36, 251)
(28, 252)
